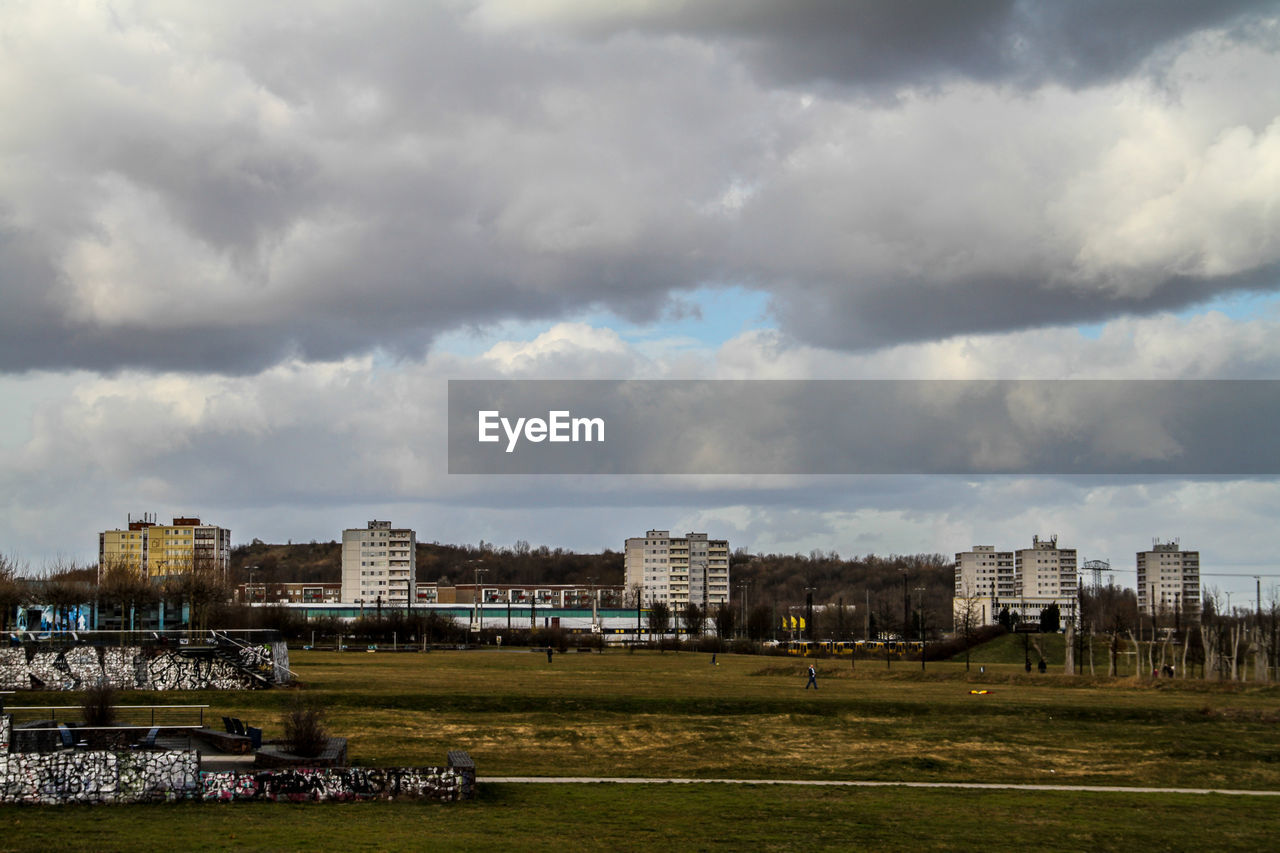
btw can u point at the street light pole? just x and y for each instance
(475, 601)
(920, 610)
(808, 610)
(595, 624)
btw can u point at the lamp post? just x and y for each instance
(808, 611)
(475, 601)
(920, 611)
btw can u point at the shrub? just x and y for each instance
(99, 705)
(304, 728)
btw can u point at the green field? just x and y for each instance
(675, 715)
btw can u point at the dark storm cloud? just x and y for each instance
(907, 311)
(881, 46)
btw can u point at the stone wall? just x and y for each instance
(85, 776)
(148, 776)
(442, 784)
(153, 667)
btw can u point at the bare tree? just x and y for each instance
(659, 619)
(726, 619)
(13, 592)
(202, 585)
(965, 613)
(693, 617)
(64, 587)
(124, 586)
(759, 623)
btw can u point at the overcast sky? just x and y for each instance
(244, 245)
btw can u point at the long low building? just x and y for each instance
(618, 625)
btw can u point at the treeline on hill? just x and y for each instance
(318, 562)
(891, 585)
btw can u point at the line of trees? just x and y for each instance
(120, 593)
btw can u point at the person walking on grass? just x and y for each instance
(813, 679)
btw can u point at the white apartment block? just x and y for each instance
(1044, 569)
(676, 571)
(379, 565)
(1169, 581)
(983, 576)
(1025, 581)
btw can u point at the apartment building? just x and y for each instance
(158, 550)
(983, 576)
(1169, 581)
(379, 565)
(678, 570)
(1025, 582)
(1044, 569)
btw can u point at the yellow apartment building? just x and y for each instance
(157, 550)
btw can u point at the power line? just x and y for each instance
(1239, 575)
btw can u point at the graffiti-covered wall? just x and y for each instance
(84, 776)
(338, 784)
(143, 776)
(155, 667)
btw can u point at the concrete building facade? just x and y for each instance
(678, 570)
(1169, 581)
(1024, 581)
(379, 565)
(983, 576)
(159, 550)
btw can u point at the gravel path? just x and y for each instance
(987, 786)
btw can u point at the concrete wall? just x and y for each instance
(148, 776)
(134, 668)
(84, 776)
(441, 784)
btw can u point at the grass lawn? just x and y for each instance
(650, 714)
(669, 817)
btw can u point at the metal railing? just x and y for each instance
(170, 717)
(126, 637)
(223, 635)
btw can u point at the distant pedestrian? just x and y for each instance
(549, 653)
(813, 678)
(713, 659)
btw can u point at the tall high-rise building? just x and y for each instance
(1044, 569)
(1169, 581)
(677, 571)
(379, 565)
(983, 576)
(158, 550)
(1024, 582)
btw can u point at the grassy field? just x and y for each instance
(649, 714)
(667, 817)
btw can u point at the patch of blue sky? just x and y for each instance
(1241, 306)
(705, 317)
